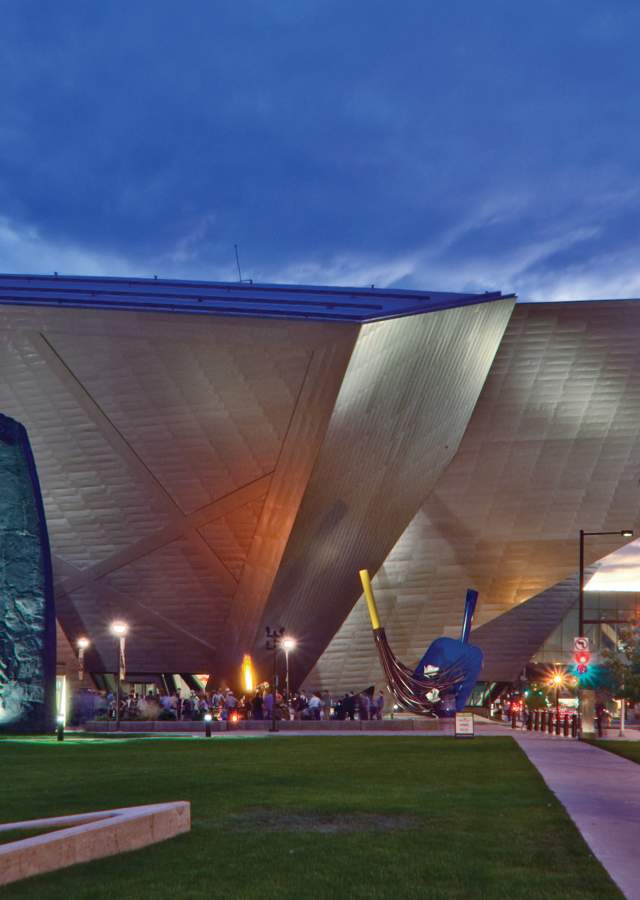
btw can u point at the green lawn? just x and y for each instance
(630, 750)
(310, 817)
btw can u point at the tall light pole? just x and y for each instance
(557, 681)
(82, 644)
(275, 637)
(119, 630)
(288, 644)
(626, 532)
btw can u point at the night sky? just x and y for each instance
(437, 145)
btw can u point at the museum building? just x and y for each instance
(218, 458)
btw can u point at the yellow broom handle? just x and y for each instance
(371, 603)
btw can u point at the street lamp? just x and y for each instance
(275, 636)
(82, 644)
(557, 681)
(288, 644)
(627, 533)
(119, 630)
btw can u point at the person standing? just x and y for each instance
(230, 703)
(349, 704)
(267, 705)
(256, 705)
(301, 705)
(364, 706)
(315, 705)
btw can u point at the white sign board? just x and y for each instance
(464, 725)
(580, 644)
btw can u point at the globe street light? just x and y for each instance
(288, 644)
(119, 630)
(82, 644)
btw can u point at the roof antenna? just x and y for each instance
(240, 278)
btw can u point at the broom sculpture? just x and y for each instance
(444, 677)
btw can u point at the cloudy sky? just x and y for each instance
(457, 145)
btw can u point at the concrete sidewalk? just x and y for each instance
(601, 793)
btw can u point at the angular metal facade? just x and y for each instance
(402, 409)
(204, 475)
(552, 446)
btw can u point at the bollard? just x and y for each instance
(599, 725)
(536, 720)
(565, 726)
(60, 728)
(207, 724)
(529, 721)
(550, 722)
(514, 719)
(574, 725)
(558, 724)
(543, 720)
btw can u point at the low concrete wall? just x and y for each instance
(162, 727)
(89, 836)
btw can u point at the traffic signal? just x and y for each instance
(582, 659)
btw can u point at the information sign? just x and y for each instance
(464, 725)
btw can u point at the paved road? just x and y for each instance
(601, 793)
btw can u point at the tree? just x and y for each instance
(622, 666)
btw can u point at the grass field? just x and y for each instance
(630, 750)
(310, 817)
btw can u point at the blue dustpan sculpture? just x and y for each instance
(444, 677)
(448, 653)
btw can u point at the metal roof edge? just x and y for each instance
(235, 299)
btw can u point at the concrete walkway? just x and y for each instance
(601, 793)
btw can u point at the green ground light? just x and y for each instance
(294, 818)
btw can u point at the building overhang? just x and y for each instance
(238, 299)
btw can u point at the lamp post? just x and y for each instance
(82, 644)
(119, 630)
(626, 532)
(288, 644)
(275, 636)
(557, 681)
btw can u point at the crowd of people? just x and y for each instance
(223, 704)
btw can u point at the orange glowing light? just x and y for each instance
(557, 678)
(248, 678)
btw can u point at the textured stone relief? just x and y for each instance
(26, 599)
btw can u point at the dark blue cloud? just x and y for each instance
(438, 145)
